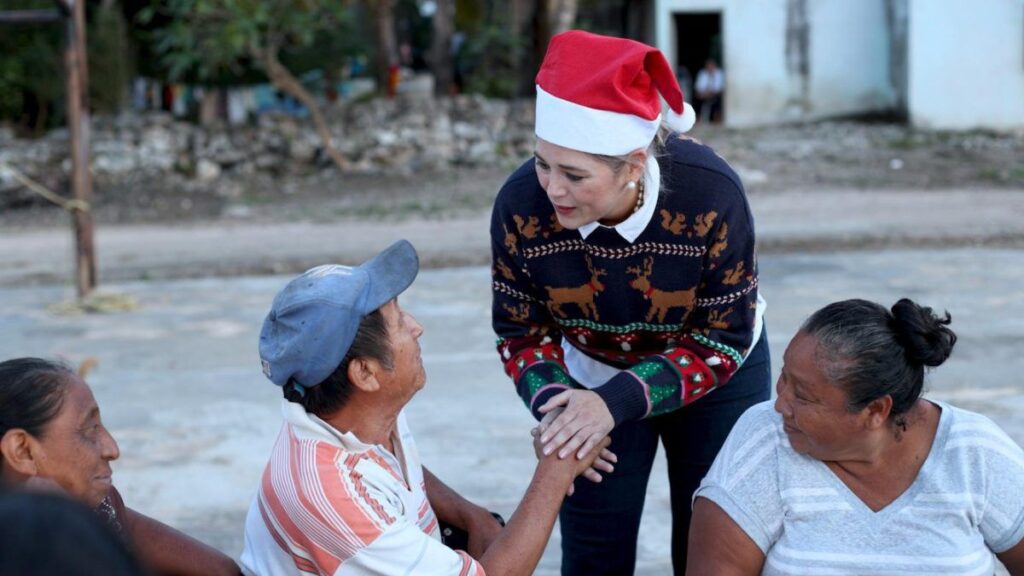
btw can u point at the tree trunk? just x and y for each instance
(283, 80)
(441, 51)
(209, 106)
(540, 34)
(519, 15)
(562, 15)
(387, 44)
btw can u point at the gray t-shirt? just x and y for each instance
(966, 502)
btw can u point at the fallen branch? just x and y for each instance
(70, 205)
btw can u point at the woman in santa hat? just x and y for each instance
(625, 291)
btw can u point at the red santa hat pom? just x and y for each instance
(602, 95)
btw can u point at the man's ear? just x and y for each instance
(18, 449)
(877, 412)
(362, 373)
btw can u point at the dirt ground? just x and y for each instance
(806, 157)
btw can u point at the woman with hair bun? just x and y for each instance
(852, 471)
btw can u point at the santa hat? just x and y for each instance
(599, 94)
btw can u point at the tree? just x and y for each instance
(441, 49)
(208, 37)
(109, 61)
(31, 85)
(562, 15)
(387, 43)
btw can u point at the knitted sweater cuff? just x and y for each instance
(543, 396)
(625, 397)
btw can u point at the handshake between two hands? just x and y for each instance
(575, 423)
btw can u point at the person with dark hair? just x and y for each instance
(344, 491)
(51, 430)
(709, 86)
(47, 534)
(625, 288)
(852, 471)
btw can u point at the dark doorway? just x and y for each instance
(698, 37)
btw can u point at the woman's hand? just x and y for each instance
(604, 462)
(584, 420)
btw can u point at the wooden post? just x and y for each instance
(77, 86)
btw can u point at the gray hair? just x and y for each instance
(871, 352)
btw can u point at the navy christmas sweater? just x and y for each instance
(674, 308)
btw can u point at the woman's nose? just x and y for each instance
(781, 404)
(556, 189)
(110, 449)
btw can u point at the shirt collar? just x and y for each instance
(311, 426)
(631, 227)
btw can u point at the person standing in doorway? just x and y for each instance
(710, 86)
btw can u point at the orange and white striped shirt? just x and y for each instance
(330, 504)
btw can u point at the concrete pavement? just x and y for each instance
(180, 387)
(818, 221)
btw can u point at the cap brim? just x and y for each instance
(391, 272)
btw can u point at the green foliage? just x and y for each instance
(31, 70)
(488, 61)
(208, 40)
(469, 15)
(109, 60)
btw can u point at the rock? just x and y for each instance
(387, 138)
(404, 134)
(114, 157)
(302, 150)
(156, 149)
(207, 170)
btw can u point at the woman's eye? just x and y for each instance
(542, 166)
(574, 177)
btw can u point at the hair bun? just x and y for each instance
(926, 338)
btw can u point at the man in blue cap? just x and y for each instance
(344, 491)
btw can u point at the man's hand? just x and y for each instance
(584, 420)
(582, 466)
(572, 466)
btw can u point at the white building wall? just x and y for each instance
(848, 57)
(966, 64)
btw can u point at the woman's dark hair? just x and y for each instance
(872, 352)
(43, 534)
(31, 393)
(371, 342)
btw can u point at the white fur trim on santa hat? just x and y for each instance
(577, 127)
(682, 122)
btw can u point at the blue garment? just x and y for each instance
(600, 522)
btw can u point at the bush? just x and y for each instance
(489, 62)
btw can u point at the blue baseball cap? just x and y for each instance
(314, 319)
